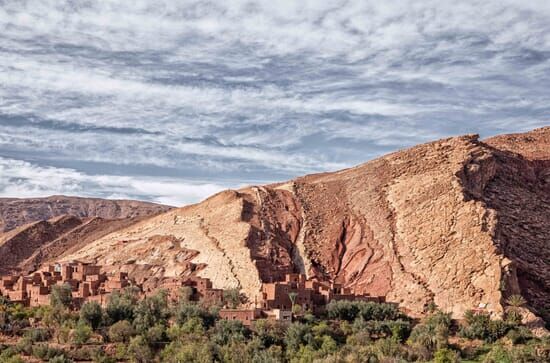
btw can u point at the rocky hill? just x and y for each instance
(459, 222)
(16, 212)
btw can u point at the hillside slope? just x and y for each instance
(458, 222)
(15, 212)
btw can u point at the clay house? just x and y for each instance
(201, 290)
(245, 316)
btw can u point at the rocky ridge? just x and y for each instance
(458, 222)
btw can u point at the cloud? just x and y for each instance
(258, 90)
(26, 180)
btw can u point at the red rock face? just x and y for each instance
(458, 222)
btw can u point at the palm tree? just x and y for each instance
(515, 302)
(292, 296)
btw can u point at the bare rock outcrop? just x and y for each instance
(458, 222)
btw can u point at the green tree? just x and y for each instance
(139, 351)
(151, 311)
(232, 297)
(61, 296)
(121, 305)
(92, 314)
(121, 331)
(82, 333)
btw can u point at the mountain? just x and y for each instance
(16, 212)
(460, 222)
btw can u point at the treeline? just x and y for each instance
(153, 330)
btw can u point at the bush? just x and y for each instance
(61, 295)
(121, 332)
(297, 335)
(139, 351)
(82, 333)
(480, 326)
(38, 335)
(446, 356)
(188, 310)
(368, 310)
(45, 352)
(519, 335)
(121, 305)
(227, 331)
(92, 314)
(60, 359)
(151, 311)
(498, 354)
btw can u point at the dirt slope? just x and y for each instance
(16, 212)
(458, 222)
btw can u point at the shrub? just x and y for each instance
(38, 335)
(61, 296)
(45, 352)
(480, 326)
(92, 314)
(446, 356)
(227, 331)
(188, 310)
(59, 359)
(121, 331)
(297, 335)
(232, 297)
(139, 351)
(121, 305)
(368, 310)
(82, 333)
(498, 354)
(151, 311)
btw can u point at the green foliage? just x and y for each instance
(121, 331)
(431, 334)
(82, 333)
(188, 310)
(350, 310)
(38, 335)
(227, 331)
(61, 296)
(196, 352)
(59, 359)
(445, 355)
(151, 311)
(121, 305)
(45, 352)
(139, 351)
(520, 335)
(498, 354)
(298, 335)
(232, 297)
(92, 314)
(9, 355)
(480, 326)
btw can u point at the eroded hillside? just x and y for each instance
(458, 222)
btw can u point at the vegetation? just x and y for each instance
(153, 330)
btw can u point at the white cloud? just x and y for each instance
(24, 179)
(263, 89)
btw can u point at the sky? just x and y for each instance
(171, 101)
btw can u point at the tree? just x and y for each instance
(92, 314)
(515, 303)
(139, 351)
(232, 297)
(121, 331)
(82, 333)
(151, 311)
(61, 295)
(292, 296)
(121, 305)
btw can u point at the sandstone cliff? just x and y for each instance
(16, 212)
(459, 222)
